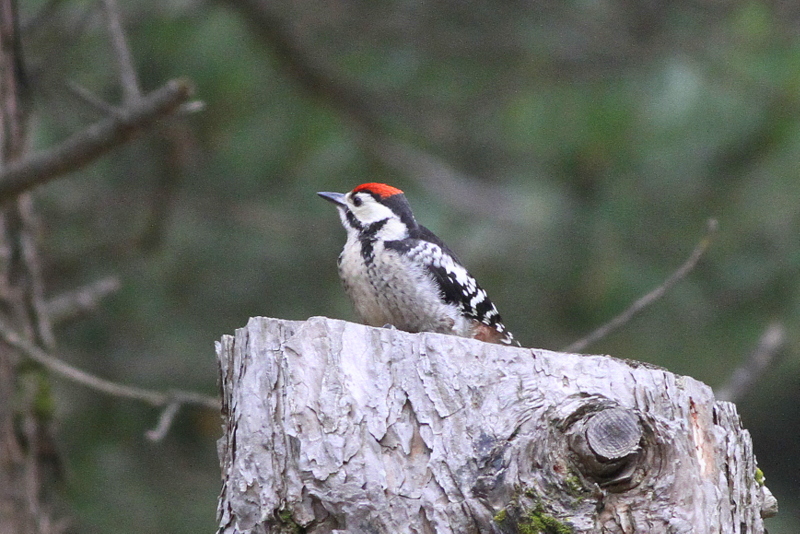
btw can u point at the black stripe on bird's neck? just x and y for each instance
(352, 220)
(367, 237)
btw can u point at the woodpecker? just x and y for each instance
(397, 272)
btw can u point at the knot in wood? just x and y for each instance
(613, 434)
(607, 447)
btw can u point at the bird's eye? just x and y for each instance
(357, 201)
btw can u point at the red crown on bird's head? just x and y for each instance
(381, 190)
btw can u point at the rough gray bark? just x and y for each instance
(337, 427)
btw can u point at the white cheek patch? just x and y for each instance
(370, 212)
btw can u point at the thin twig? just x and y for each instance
(79, 301)
(153, 398)
(127, 72)
(181, 157)
(762, 358)
(34, 293)
(459, 190)
(83, 147)
(650, 297)
(164, 422)
(90, 98)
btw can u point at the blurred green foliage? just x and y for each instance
(618, 128)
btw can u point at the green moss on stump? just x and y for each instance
(534, 520)
(538, 522)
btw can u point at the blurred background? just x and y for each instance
(570, 152)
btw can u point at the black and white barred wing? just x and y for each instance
(457, 286)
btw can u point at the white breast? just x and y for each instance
(393, 289)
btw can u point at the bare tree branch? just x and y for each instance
(83, 147)
(762, 358)
(314, 78)
(153, 398)
(366, 113)
(127, 72)
(24, 430)
(28, 231)
(180, 157)
(175, 134)
(650, 297)
(84, 299)
(461, 191)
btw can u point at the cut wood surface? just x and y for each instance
(331, 426)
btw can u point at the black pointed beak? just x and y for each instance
(336, 198)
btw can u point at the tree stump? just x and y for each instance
(333, 427)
